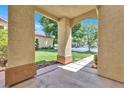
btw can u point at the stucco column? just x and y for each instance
(111, 42)
(64, 41)
(21, 48)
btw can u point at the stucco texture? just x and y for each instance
(111, 42)
(64, 37)
(21, 35)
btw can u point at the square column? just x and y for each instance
(111, 42)
(21, 47)
(64, 41)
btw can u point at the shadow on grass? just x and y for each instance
(86, 52)
(54, 50)
(47, 50)
(45, 62)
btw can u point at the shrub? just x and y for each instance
(3, 42)
(95, 59)
(36, 44)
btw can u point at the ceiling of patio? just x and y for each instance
(70, 11)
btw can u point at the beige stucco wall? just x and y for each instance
(111, 42)
(89, 14)
(21, 36)
(44, 41)
(64, 37)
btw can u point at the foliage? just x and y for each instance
(85, 35)
(95, 59)
(81, 34)
(3, 43)
(36, 44)
(77, 34)
(50, 28)
(91, 35)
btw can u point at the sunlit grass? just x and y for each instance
(47, 55)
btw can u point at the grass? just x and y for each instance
(80, 55)
(46, 55)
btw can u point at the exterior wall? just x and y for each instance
(89, 14)
(21, 48)
(3, 24)
(44, 42)
(21, 36)
(111, 42)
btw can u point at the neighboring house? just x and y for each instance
(44, 41)
(3, 23)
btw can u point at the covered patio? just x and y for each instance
(56, 77)
(21, 49)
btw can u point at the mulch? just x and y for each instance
(39, 66)
(3, 65)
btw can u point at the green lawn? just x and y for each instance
(47, 55)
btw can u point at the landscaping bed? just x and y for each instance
(39, 66)
(3, 65)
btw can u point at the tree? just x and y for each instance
(81, 35)
(50, 28)
(3, 43)
(78, 34)
(91, 35)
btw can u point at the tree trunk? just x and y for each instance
(89, 48)
(89, 45)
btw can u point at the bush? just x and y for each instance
(3, 44)
(95, 59)
(47, 48)
(36, 44)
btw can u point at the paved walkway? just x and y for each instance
(2, 79)
(55, 76)
(76, 66)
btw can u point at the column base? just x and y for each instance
(64, 60)
(18, 74)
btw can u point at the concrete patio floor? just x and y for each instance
(2, 79)
(56, 77)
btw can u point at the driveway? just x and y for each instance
(83, 49)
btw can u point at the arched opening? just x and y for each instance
(85, 42)
(45, 41)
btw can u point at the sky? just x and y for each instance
(38, 28)
(4, 12)
(37, 16)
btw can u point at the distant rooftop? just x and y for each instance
(4, 20)
(39, 35)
